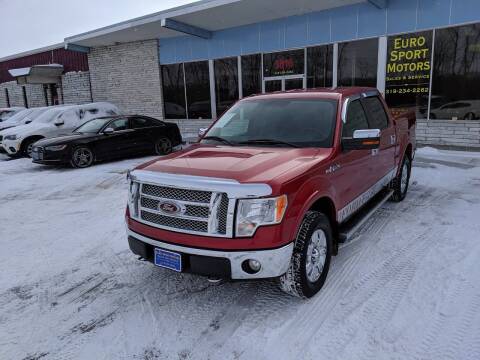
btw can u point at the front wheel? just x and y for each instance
(163, 146)
(82, 157)
(401, 182)
(311, 257)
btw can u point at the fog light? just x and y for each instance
(251, 266)
(254, 265)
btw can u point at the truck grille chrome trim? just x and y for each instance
(190, 204)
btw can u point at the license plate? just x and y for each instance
(37, 156)
(168, 259)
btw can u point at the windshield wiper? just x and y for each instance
(218, 138)
(268, 141)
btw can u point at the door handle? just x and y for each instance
(393, 139)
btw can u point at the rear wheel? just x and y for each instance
(401, 182)
(82, 157)
(163, 146)
(469, 116)
(311, 257)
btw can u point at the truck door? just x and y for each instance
(384, 158)
(353, 174)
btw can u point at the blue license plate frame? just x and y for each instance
(168, 259)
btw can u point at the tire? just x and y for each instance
(27, 147)
(432, 116)
(401, 182)
(163, 146)
(304, 278)
(469, 116)
(82, 157)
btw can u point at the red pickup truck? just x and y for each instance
(272, 187)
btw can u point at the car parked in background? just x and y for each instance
(457, 110)
(57, 121)
(107, 138)
(6, 113)
(23, 117)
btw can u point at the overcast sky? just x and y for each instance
(30, 24)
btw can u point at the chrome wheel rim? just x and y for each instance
(164, 146)
(404, 180)
(316, 255)
(82, 157)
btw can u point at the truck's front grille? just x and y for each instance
(176, 223)
(193, 211)
(177, 194)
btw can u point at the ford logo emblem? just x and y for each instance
(170, 207)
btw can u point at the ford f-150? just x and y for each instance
(272, 187)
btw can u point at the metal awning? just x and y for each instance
(201, 19)
(38, 74)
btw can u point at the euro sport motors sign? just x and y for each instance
(408, 70)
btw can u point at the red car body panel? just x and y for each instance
(300, 173)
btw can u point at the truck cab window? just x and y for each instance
(376, 113)
(356, 119)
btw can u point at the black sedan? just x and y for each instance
(108, 138)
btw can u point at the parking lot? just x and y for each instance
(406, 288)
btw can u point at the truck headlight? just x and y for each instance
(133, 196)
(252, 213)
(10, 137)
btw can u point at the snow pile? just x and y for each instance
(408, 288)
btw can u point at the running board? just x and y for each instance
(353, 225)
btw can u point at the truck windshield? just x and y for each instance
(277, 122)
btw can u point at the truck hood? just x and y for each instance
(243, 164)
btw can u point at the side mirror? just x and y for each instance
(362, 140)
(202, 131)
(59, 122)
(108, 131)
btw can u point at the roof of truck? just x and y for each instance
(325, 93)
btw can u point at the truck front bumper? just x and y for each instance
(222, 264)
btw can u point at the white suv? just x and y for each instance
(6, 113)
(23, 117)
(54, 122)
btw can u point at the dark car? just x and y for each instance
(107, 138)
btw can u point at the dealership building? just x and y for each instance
(190, 63)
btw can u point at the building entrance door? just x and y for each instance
(283, 83)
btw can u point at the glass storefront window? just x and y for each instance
(407, 81)
(284, 63)
(456, 74)
(226, 83)
(251, 75)
(197, 80)
(357, 63)
(173, 91)
(319, 66)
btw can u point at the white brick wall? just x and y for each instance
(463, 134)
(35, 94)
(128, 75)
(76, 87)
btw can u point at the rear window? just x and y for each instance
(376, 113)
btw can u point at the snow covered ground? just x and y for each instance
(407, 288)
